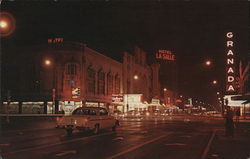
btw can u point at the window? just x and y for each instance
(84, 112)
(101, 82)
(110, 84)
(117, 84)
(71, 69)
(91, 80)
(103, 112)
(78, 112)
(92, 112)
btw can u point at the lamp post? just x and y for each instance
(165, 95)
(48, 63)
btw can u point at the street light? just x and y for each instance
(214, 82)
(7, 24)
(135, 77)
(3, 24)
(48, 63)
(165, 89)
(208, 63)
(218, 93)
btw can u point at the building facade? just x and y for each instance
(64, 75)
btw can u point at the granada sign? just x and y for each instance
(230, 64)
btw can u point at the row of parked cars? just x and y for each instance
(88, 119)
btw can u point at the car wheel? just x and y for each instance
(69, 131)
(96, 129)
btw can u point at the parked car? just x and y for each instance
(88, 118)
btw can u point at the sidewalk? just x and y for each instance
(237, 147)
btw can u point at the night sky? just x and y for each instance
(193, 30)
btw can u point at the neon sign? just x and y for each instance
(165, 55)
(55, 40)
(230, 63)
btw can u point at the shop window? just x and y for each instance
(91, 80)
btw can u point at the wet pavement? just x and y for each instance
(173, 137)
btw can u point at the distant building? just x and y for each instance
(61, 76)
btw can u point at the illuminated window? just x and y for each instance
(101, 82)
(71, 69)
(110, 84)
(91, 80)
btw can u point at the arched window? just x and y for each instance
(91, 80)
(101, 82)
(110, 84)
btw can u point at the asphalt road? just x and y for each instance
(168, 138)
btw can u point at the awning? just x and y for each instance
(246, 102)
(241, 97)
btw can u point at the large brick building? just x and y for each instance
(65, 75)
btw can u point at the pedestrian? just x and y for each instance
(237, 113)
(229, 125)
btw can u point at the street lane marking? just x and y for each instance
(176, 144)
(204, 155)
(4, 144)
(66, 153)
(137, 146)
(119, 138)
(58, 143)
(215, 155)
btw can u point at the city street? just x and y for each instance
(173, 137)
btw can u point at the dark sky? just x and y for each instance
(194, 30)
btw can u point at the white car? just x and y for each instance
(88, 118)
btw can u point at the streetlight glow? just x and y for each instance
(7, 24)
(3, 24)
(47, 62)
(214, 82)
(135, 77)
(165, 89)
(208, 62)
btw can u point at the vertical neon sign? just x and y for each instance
(230, 64)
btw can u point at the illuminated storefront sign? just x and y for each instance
(230, 64)
(116, 98)
(165, 55)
